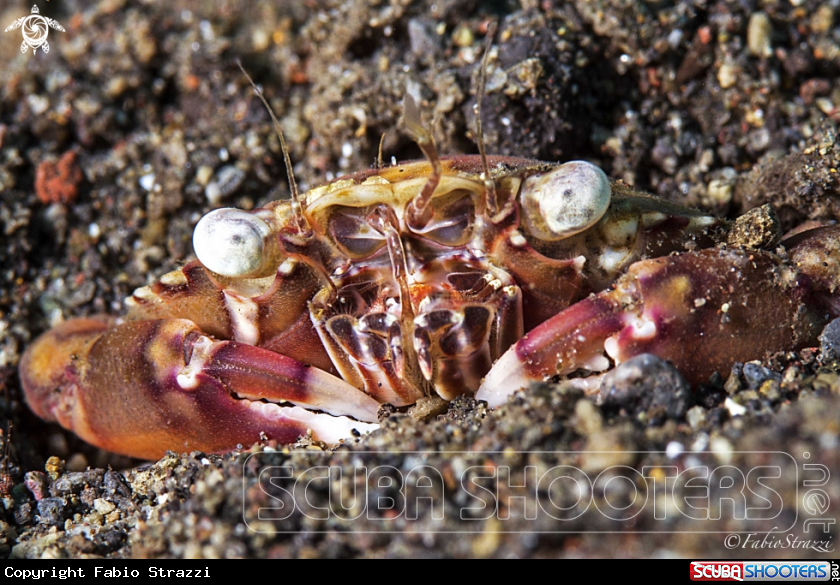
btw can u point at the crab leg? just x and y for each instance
(702, 310)
(141, 387)
(277, 319)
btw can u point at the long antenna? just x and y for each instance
(379, 163)
(489, 184)
(300, 219)
(419, 212)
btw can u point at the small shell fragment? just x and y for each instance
(227, 181)
(565, 201)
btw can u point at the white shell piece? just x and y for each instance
(734, 408)
(565, 201)
(230, 242)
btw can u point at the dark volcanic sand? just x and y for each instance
(110, 140)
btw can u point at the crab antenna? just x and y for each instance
(300, 219)
(419, 212)
(379, 163)
(482, 82)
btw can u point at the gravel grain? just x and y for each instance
(110, 142)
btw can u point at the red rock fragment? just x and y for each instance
(812, 88)
(57, 182)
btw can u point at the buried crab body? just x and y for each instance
(418, 279)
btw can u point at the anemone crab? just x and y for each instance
(468, 274)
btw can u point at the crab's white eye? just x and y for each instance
(565, 201)
(231, 242)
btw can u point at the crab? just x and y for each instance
(467, 274)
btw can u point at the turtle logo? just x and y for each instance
(35, 29)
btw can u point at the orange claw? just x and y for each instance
(144, 387)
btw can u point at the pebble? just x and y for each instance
(755, 375)
(203, 175)
(758, 228)
(588, 419)
(260, 40)
(675, 38)
(734, 408)
(759, 139)
(116, 484)
(57, 182)
(830, 341)
(644, 382)
(720, 189)
(54, 467)
(228, 179)
(759, 30)
(52, 511)
(696, 417)
(700, 443)
(462, 36)
(36, 483)
(823, 19)
(748, 395)
(825, 105)
(116, 87)
(75, 481)
(38, 104)
(674, 449)
(727, 74)
(103, 506)
(213, 194)
(422, 37)
(23, 513)
(147, 181)
(722, 449)
(733, 382)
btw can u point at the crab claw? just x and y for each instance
(701, 310)
(144, 387)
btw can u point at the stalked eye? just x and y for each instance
(565, 201)
(350, 230)
(233, 243)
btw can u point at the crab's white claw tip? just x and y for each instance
(231, 242)
(505, 377)
(328, 428)
(565, 201)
